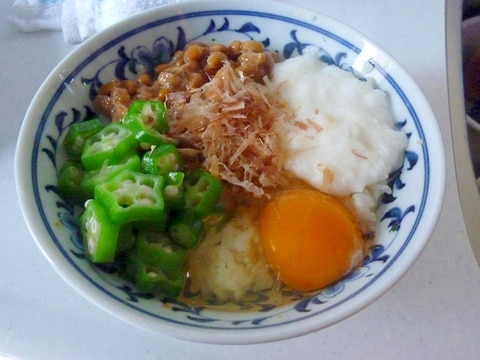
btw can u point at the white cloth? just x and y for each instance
(78, 19)
(34, 15)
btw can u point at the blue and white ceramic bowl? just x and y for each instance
(406, 218)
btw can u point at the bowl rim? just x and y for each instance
(73, 278)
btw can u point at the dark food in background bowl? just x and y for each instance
(472, 85)
(471, 68)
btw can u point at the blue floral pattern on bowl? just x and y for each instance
(133, 53)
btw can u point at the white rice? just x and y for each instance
(230, 263)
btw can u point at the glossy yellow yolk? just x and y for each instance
(310, 239)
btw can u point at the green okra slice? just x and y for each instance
(147, 119)
(149, 278)
(156, 264)
(186, 228)
(112, 144)
(78, 133)
(133, 196)
(99, 232)
(126, 240)
(202, 192)
(162, 159)
(105, 173)
(174, 190)
(69, 179)
(158, 249)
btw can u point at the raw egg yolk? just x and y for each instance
(310, 239)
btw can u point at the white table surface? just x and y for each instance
(431, 313)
